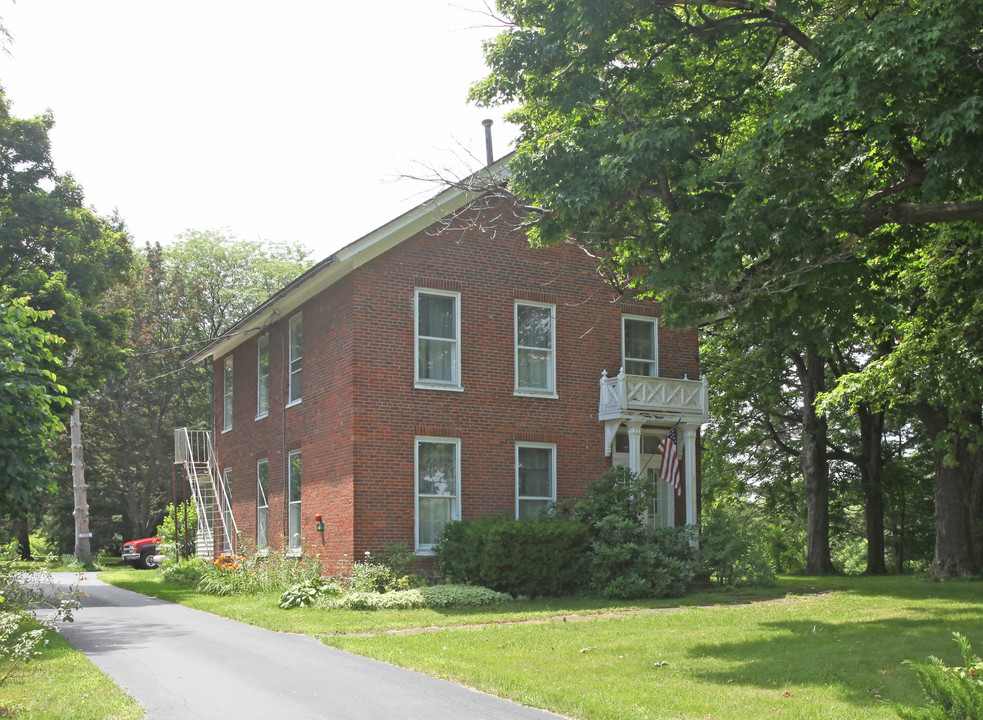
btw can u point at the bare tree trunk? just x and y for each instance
(815, 465)
(23, 533)
(83, 551)
(954, 555)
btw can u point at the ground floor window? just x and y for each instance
(535, 478)
(438, 462)
(293, 495)
(262, 504)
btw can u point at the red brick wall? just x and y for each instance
(361, 412)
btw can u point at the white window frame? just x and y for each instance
(295, 517)
(295, 375)
(262, 503)
(550, 389)
(536, 446)
(454, 384)
(427, 549)
(263, 376)
(227, 397)
(655, 343)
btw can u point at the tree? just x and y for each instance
(182, 295)
(751, 159)
(63, 257)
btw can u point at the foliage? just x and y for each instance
(627, 558)
(733, 550)
(522, 557)
(186, 573)
(434, 596)
(306, 593)
(22, 635)
(256, 574)
(954, 693)
(187, 517)
(31, 401)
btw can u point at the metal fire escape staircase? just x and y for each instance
(217, 530)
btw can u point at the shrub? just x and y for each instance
(187, 573)
(174, 535)
(256, 574)
(629, 559)
(733, 549)
(522, 557)
(435, 596)
(307, 593)
(953, 693)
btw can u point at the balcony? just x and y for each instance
(627, 396)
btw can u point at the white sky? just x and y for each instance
(289, 120)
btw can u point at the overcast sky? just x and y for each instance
(290, 120)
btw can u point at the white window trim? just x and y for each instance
(295, 320)
(548, 446)
(260, 379)
(453, 385)
(655, 338)
(427, 550)
(549, 392)
(295, 551)
(228, 399)
(259, 464)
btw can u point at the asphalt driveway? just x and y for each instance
(181, 664)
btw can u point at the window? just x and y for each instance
(535, 478)
(262, 376)
(296, 376)
(262, 504)
(225, 506)
(437, 483)
(227, 396)
(535, 339)
(640, 346)
(293, 494)
(438, 353)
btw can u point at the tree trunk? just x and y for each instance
(815, 465)
(872, 475)
(23, 533)
(953, 482)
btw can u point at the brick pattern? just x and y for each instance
(360, 411)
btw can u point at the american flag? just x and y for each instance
(670, 459)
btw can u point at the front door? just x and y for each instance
(660, 514)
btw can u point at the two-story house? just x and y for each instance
(441, 368)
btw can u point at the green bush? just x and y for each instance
(435, 596)
(172, 534)
(187, 573)
(953, 693)
(528, 557)
(256, 574)
(733, 549)
(629, 559)
(307, 593)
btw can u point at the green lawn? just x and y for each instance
(812, 648)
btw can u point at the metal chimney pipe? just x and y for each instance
(489, 155)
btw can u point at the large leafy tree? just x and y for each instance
(63, 257)
(755, 159)
(182, 295)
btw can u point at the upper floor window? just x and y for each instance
(227, 395)
(438, 329)
(263, 376)
(535, 478)
(535, 340)
(640, 346)
(438, 501)
(296, 370)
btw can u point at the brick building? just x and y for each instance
(441, 368)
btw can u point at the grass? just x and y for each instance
(811, 648)
(63, 683)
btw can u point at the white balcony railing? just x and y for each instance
(626, 394)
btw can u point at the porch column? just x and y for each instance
(689, 464)
(635, 446)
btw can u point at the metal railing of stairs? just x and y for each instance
(194, 452)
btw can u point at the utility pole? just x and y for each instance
(83, 553)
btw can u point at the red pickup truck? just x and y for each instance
(142, 553)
